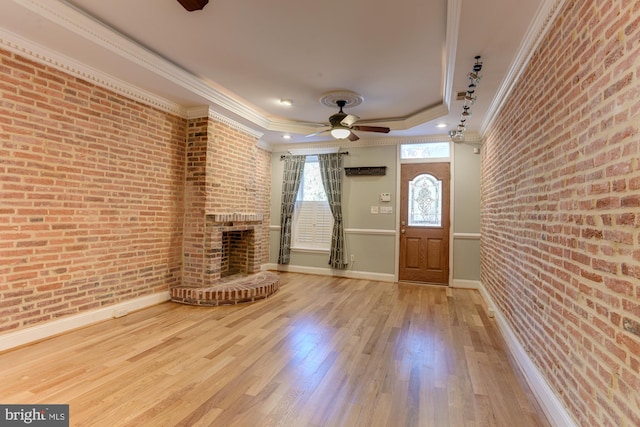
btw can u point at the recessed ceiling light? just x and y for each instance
(441, 125)
(286, 136)
(286, 102)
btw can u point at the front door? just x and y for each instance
(424, 223)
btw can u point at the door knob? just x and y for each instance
(402, 231)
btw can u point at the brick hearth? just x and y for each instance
(230, 271)
(231, 290)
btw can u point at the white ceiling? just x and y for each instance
(406, 58)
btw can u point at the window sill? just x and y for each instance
(311, 250)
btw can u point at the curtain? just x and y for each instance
(331, 173)
(293, 167)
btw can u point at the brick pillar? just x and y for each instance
(195, 202)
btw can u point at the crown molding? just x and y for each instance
(363, 142)
(198, 112)
(263, 145)
(454, 10)
(202, 111)
(87, 27)
(545, 16)
(42, 55)
(78, 22)
(214, 115)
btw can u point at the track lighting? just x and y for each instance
(469, 99)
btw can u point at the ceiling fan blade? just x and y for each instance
(372, 129)
(318, 132)
(353, 137)
(349, 120)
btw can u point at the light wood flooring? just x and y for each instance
(321, 352)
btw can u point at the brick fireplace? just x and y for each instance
(226, 218)
(230, 245)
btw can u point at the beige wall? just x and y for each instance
(372, 238)
(466, 212)
(372, 252)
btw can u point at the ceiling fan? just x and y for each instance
(192, 5)
(342, 125)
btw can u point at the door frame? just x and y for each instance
(451, 162)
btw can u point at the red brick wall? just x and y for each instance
(195, 200)
(561, 210)
(226, 173)
(91, 195)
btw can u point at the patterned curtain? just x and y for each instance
(293, 167)
(331, 173)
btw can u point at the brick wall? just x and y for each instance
(91, 195)
(227, 173)
(99, 194)
(561, 210)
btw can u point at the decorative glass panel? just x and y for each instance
(429, 150)
(425, 201)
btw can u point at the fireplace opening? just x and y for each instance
(236, 252)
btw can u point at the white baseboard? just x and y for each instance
(351, 274)
(553, 408)
(55, 327)
(465, 284)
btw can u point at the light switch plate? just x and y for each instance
(374, 210)
(386, 209)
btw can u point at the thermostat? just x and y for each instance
(385, 197)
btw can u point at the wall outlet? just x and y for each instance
(353, 257)
(120, 313)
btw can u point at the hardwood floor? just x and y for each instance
(321, 352)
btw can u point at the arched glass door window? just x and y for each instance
(425, 201)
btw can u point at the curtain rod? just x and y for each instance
(284, 156)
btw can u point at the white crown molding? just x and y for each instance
(205, 111)
(363, 142)
(42, 55)
(78, 22)
(198, 112)
(85, 26)
(545, 16)
(214, 115)
(263, 145)
(454, 10)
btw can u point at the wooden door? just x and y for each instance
(424, 223)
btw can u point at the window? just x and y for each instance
(312, 219)
(428, 150)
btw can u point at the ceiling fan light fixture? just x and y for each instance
(340, 132)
